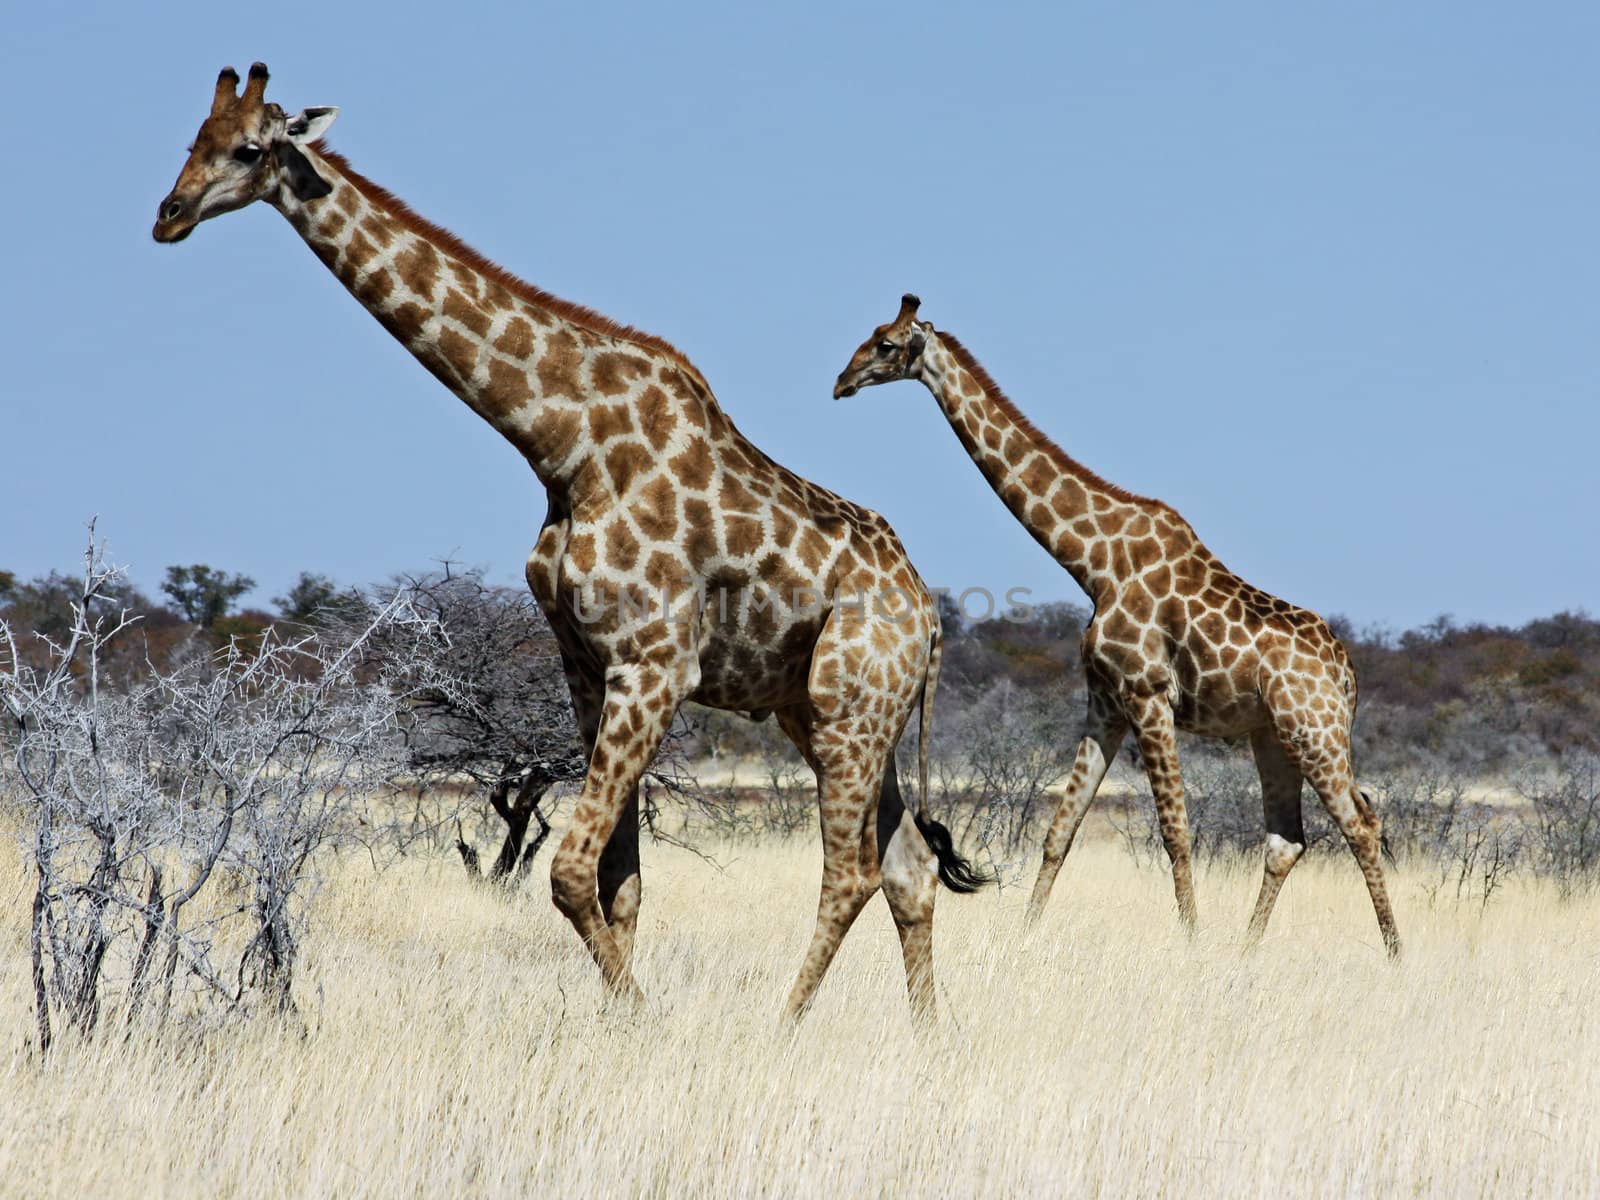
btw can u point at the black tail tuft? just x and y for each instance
(955, 872)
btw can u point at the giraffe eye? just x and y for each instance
(249, 154)
(886, 347)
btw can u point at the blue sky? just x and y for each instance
(1322, 277)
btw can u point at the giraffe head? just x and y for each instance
(894, 351)
(246, 149)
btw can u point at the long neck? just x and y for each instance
(525, 362)
(1070, 511)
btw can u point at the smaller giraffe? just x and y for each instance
(1177, 640)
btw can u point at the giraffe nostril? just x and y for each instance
(172, 211)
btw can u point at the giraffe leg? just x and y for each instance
(1103, 733)
(620, 882)
(905, 868)
(1158, 746)
(1336, 787)
(1280, 805)
(638, 707)
(847, 882)
(910, 876)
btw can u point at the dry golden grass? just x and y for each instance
(458, 1045)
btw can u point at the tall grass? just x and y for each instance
(457, 1043)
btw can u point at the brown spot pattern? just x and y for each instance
(1176, 640)
(644, 495)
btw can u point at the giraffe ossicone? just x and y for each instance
(650, 488)
(1177, 640)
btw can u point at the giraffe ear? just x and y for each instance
(915, 347)
(309, 124)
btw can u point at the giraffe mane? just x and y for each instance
(443, 239)
(1032, 432)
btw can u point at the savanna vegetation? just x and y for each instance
(242, 955)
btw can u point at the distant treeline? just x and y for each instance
(1476, 696)
(199, 603)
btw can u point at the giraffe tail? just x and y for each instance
(955, 871)
(930, 685)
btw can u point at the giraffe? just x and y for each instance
(1177, 640)
(676, 561)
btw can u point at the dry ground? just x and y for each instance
(458, 1045)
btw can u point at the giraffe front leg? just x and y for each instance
(620, 883)
(1280, 806)
(638, 707)
(1103, 733)
(1158, 746)
(621, 886)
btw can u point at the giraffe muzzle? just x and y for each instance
(174, 221)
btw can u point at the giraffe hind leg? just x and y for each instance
(1330, 775)
(910, 872)
(847, 882)
(1281, 785)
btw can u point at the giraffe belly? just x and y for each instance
(750, 653)
(1228, 716)
(1216, 700)
(737, 673)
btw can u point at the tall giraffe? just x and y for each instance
(676, 561)
(1177, 641)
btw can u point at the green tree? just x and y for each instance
(42, 606)
(312, 598)
(204, 595)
